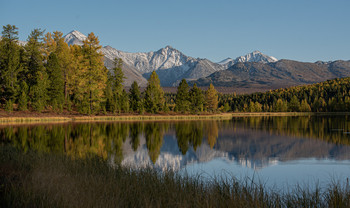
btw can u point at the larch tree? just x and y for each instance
(10, 64)
(154, 95)
(92, 76)
(211, 97)
(65, 60)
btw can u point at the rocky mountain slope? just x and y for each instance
(255, 56)
(283, 73)
(171, 64)
(252, 71)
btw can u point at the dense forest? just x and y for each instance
(48, 74)
(329, 96)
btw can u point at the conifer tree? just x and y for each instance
(304, 106)
(23, 99)
(9, 63)
(91, 77)
(280, 106)
(117, 86)
(154, 95)
(135, 97)
(37, 77)
(182, 97)
(196, 99)
(211, 97)
(65, 60)
(294, 104)
(56, 88)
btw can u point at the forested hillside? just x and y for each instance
(329, 96)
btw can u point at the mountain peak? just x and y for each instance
(256, 56)
(169, 47)
(74, 38)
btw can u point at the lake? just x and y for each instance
(279, 152)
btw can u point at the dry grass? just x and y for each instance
(14, 120)
(42, 180)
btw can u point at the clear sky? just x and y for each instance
(303, 30)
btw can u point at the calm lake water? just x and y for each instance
(276, 151)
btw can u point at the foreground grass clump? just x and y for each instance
(47, 180)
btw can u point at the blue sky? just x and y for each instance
(303, 30)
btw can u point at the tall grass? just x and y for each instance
(14, 120)
(48, 180)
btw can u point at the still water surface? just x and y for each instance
(276, 151)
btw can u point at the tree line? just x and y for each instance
(329, 96)
(47, 74)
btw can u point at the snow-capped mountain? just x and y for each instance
(74, 38)
(164, 58)
(169, 158)
(171, 64)
(255, 56)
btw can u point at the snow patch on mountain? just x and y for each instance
(146, 62)
(225, 61)
(74, 38)
(255, 56)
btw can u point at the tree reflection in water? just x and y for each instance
(80, 140)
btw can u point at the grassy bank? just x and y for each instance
(38, 119)
(41, 118)
(43, 180)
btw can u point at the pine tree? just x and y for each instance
(37, 77)
(211, 97)
(56, 88)
(117, 85)
(135, 97)
(9, 63)
(154, 95)
(196, 99)
(182, 97)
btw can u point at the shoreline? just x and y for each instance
(181, 117)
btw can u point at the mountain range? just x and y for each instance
(255, 70)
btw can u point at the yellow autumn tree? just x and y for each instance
(65, 57)
(211, 97)
(91, 77)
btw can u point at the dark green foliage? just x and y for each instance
(135, 97)
(9, 106)
(10, 65)
(154, 95)
(329, 96)
(196, 99)
(56, 80)
(37, 77)
(23, 98)
(182, 97)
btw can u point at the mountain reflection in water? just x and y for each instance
(253, 142)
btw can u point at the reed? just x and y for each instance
(48, 180)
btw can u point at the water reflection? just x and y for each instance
(253, 142)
